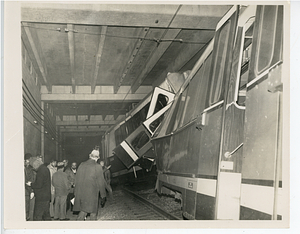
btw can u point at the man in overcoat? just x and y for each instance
(29, 178)
(89, 181)
(42, 191)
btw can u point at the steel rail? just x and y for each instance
(151, 205)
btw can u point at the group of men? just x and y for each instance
(53, 187)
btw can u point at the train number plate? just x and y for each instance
(190, 185)
(227, 165)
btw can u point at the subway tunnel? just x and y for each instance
(84, 69)
(184, 104)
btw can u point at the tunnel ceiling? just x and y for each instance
(96, 61)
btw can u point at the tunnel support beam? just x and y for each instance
(104, 97)
(98, 58)
(85, 123)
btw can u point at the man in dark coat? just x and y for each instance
(42, 191)
(29, 178)
(89, 181)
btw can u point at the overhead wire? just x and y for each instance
(30, 121)
(32, 99)
(122, 37)
(38, 113)
(37, 106)
(38, 120)
(38, 117)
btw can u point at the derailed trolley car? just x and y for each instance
(130, 139)
(136, 148)
(219, 147)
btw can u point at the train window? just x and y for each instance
(143, 113)
(118, 136)
(136, 120)
(219, 64)
(195, 103)
(130, 125)
(201, 95)
(188, 102)
(162, 101)
(247, 48)
(181, 108)
(160, 98)
(124, 131)
(156, 122)
(140, 140)
(172, 115)
(266, 37)
(161, 130)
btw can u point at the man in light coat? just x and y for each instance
(89, 181)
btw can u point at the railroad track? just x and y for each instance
(166, 215)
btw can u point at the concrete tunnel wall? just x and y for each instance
(32, 113)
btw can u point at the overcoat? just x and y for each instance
(71, 177)
(61, 183)
(29, 176)
(89, 181)
(42, 184)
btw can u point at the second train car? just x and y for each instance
(219, 149)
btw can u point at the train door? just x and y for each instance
(230, 159)
(249, 166)
(211, 116)
(261, 187)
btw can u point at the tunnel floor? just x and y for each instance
(121, 206)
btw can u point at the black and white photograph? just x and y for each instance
(158, 113)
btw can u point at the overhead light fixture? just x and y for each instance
(52, 139)
(35, 121)
(46, 132)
